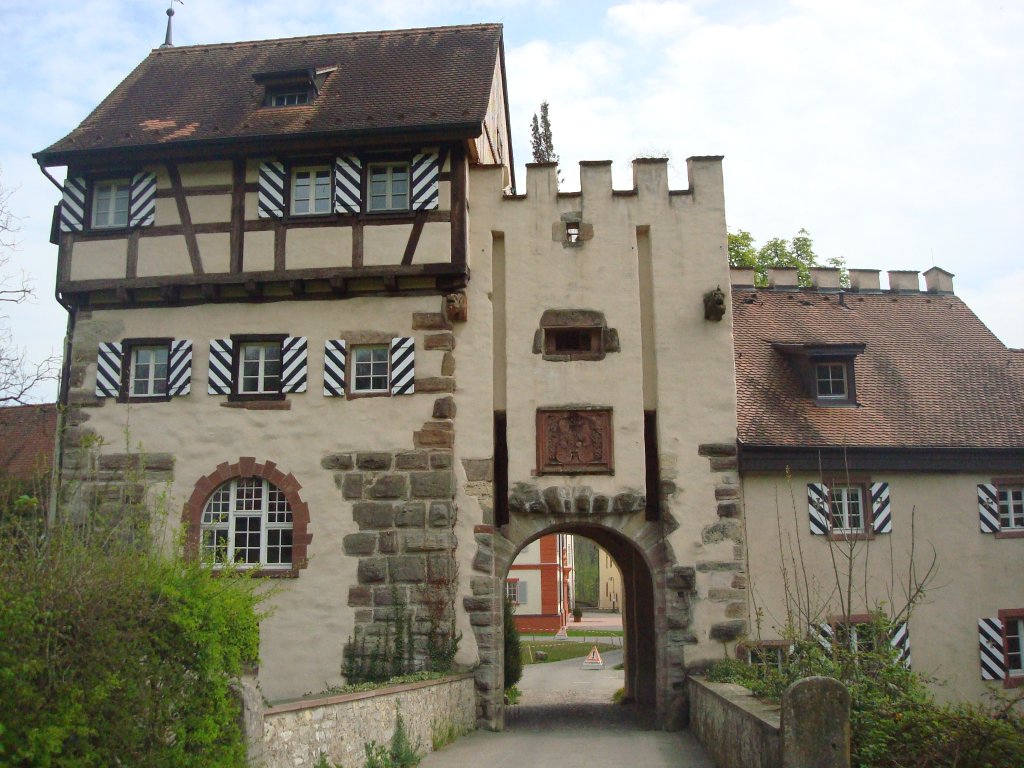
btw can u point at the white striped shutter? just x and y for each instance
(108, 369)
(335, 358)
(219, 381)
(522, 593)
(348, 184)
(270, 190)
(142, 206)
(425, 173)
(823, 634)
(817, 508)
(990, 638)
(293, 364)
(899, 639)
(179, 368)
(403, 365)
(988, 508)
(881, 512)
(72, 207)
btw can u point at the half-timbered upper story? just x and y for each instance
(306, 167)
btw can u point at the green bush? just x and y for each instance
(114, 656)
(894, 720)
(513, 650)
(402, 753)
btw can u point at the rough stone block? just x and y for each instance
(359, 596)
(351, 484)
(427, 541)
(717, 449)
(723, 463)
(478, 469)
(626, 503)
(483, 562)
(388, 542)
(412, 460)
(600, 505)
(448, 364)
(435, 384)
(706, 566)
(722, 594)
(729, 509)
(359, 543)
(736, 611)
(441, 460)
(557, 500)
(722, 530)
(409, 569)
(337, 461)
(444, 408)
(582, 497)
(432, 485)
(442, 514)
(481, 585)
(666, 487)
(682, 578)
(372, 570)
(429, 438)
(373, 514)
(739, 581)
(471, 604)
(678, 620)
(444, 341)
(411, 515)
(726, 631)
(726, 493)
(375, 462)
(440, 568)
(482, 619)
(387, 595)
(429, 321)
(388, 487)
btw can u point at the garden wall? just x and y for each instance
(296, 734)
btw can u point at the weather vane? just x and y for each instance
(170, 15)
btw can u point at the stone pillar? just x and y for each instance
(816, 724)
(250, 718)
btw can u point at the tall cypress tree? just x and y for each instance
(513, 652)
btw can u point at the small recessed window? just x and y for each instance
(846, 505)
(766, 656)
(565, 341)
(260, 368)
(110, 203)
(831, 380)
(311, 191)
(288, 98)
(1011, 507)
(572, 231)
(370, 365)
(149, 371)
(389, 186)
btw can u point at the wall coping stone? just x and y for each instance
(293, 705)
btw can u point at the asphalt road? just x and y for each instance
(566, 718)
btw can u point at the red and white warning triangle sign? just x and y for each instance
(593, 660)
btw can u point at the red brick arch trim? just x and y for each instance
(247, 467)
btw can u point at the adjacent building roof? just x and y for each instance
(931, 375)
(27, 434)
(400, 81)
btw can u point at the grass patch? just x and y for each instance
(559, 651)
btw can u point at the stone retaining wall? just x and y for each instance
(296, 734)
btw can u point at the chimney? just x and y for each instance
(742, 277)
(783, 277)
(864, 280)
(825, 277)
(938, 280)
(904, 280)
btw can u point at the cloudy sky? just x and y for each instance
(892, 130)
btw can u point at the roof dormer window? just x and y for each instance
(292, 87)
(825, 370)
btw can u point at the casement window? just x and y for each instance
(388, 186)
(247, 522)
(110, 200)
(257, 367)
(512, 590)
(1001, 645)
(831, 380)
(287, 97)
(363, 370)
(849, 508)
(768, 654)
(108, 203)
(825, 371)
(311, 190)
(862, 633)
(140, 370)
(1001, 507)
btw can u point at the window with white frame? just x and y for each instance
(149, 371)
(831, 380)
(768, 655)
(311, 190)
(110, 201)
(512, 590)
(1014, 631)
(846, 508)
(388, 185)
(259, 367)
(1011, 507)
(248, 522)
(292, 98)
(370, 368)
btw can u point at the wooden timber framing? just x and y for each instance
(189, 232)
(238, 190)
(459, 206)
(414, 239)
(132, 265)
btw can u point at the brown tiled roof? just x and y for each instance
(27, 434)
(931, 373)
(394, 81)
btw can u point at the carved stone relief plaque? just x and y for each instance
(574, 442)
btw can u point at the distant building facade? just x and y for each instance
(540, 584)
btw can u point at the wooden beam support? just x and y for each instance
(460, 209)
(237, 215)
(297, 287)
(186, 218)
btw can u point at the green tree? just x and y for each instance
(778, 252)
(540, 137)
(586, 568)
(513, 650)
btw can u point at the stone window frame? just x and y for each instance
(247, 467)
(240, 340)
(128, 349)
(350, 384)
(592, 323)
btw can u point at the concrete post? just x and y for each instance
(816, 724)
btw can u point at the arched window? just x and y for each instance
(247, 521)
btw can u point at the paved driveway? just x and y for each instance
(566, 719)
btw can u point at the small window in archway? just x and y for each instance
(248, 522)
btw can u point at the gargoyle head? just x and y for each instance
(714, 305)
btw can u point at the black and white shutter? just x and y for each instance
(988, 508)
(425, 174)
(335, 353)
(72, 207)
(219, 380)
(270, 190)
(108, 369)
(348, 183)
(293, 364)
(823, 633)
(142, 198)
(990, 638)
(899, 639)
(817, 508)
(881, 512)
(403, 368)
(179, 368)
